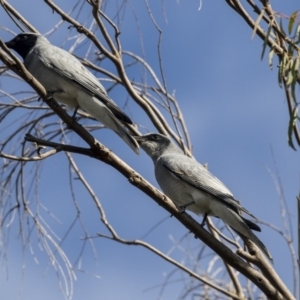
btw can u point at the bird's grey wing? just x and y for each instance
(69, 67)
(194, 174)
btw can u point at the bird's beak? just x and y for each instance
(10, 44)
(140, 139)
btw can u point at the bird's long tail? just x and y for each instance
(114, 124)
(237, 223)
(258, 242)
(127, 138)
(103, 114)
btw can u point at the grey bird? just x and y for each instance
(189, 185)
(70, 83)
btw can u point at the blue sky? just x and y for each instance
(237, 117)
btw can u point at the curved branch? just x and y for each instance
(16, 14)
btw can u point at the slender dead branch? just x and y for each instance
(174, 262)
(17, 15)
(59, 147)
(230, 270)
(115, 237)
(117, 61)
(134, 178)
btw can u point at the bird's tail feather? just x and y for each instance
(258, 242)
(251, 225)
(128, 139)
(238, 224)
(103, 114)
(113, 123)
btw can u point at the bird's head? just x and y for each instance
(23, 43)
(155, 144)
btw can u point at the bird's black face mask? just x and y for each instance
(22, 43)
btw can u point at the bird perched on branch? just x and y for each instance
(189, 185)
(70, 83)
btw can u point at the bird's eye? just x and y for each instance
(155, 136)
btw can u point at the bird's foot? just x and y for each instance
(204, 220)
(74, 114)
(49, 95)
(183, 207)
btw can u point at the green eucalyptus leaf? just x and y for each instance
(266, 40)
(292, 21)
(271, 55)
(281, 27)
